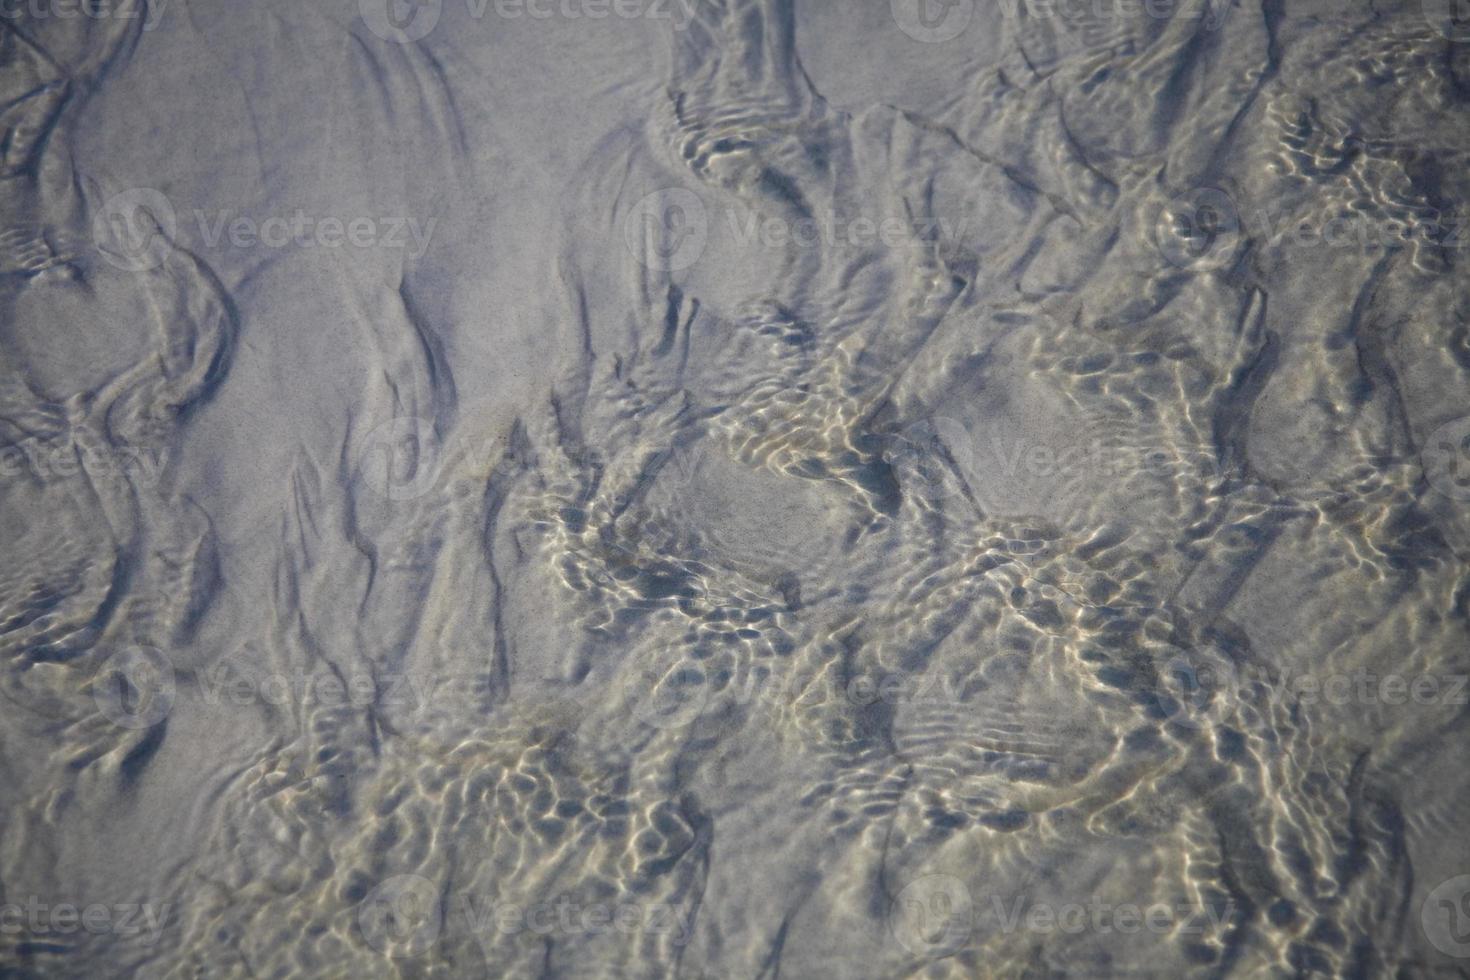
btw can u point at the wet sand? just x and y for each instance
(722, 488)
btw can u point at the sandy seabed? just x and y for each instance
(734, 488)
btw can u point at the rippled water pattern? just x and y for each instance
(734, 488)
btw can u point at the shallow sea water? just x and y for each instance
(734, 488)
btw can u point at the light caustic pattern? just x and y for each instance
(759, 640)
